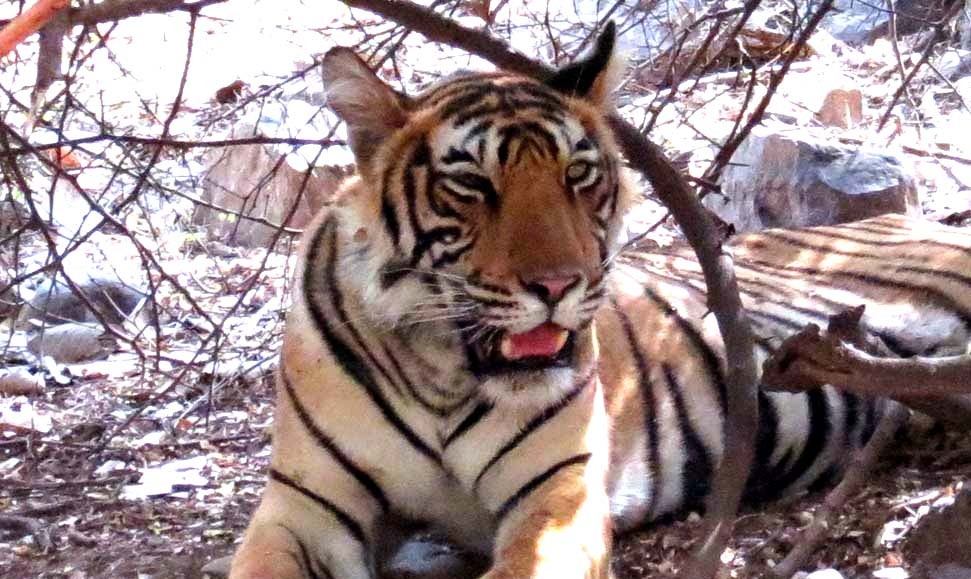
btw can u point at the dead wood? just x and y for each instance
(813, 357)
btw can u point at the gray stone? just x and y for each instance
(53, 301)
(217, 568)
(788, 179)
(70, 343)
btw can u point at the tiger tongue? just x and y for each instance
(545, 341)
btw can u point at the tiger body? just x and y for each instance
(465, 348)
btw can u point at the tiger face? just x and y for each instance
(489, 204)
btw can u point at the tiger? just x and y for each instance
(473, 342)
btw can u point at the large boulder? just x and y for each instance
(785, 178)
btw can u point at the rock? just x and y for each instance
(941, 543)
(425, 558)
(53, 302)
(71, 343)
(409, 549)
(20, 382)
(820, 93)
(254, 181)
(841, 108)
(954, 63)
(217, 568)
(852, 21)
(788, 179)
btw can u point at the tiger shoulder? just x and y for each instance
(469, 345)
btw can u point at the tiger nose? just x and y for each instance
(550, 288)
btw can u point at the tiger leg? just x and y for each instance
(296, 533)
(556, 526)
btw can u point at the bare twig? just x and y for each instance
(732, 143)
(174, 143)
(938, 35)
(110, 10)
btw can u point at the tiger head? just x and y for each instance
(486, 211)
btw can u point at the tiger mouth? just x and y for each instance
(545, 346)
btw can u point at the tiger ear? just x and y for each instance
(595, 76)
(371, 109)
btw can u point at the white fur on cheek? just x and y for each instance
(361, 267)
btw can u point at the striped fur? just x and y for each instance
(390, 397)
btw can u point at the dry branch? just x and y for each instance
(111, 10)
(812, 358)
(703, 235)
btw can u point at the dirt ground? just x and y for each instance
(91, 530)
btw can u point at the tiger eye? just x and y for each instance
(576, 171)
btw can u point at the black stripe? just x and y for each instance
(450, 257)
(870, 421)
(894, 229)
(819, 432)
(697, 471)
(392, 272)
(929, 272)
(331, 447)
(426, 239)
(746, 288)
(548, 414)
(355, 529)
(851, 418)
(506, 134)
(462, 103)
(477, 131)
(456, 155)
(548, 138)
(473, 418)
(529, 487)
(837, 233)
(646, 388)
(419, 153)
(409, 385)
(350, 363)
(308, 565)
(708, 355)
(767, 437)
(389, 216)
(938, 297)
